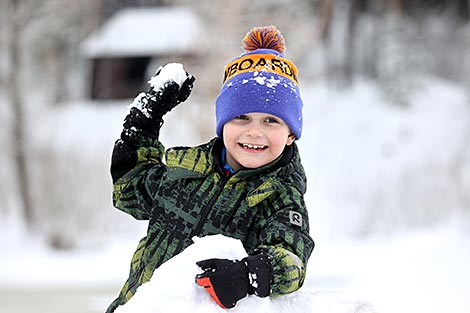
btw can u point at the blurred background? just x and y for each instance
(386, 140)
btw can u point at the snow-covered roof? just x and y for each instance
(143, 32)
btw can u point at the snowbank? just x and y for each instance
(172, 288)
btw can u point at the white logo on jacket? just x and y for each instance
(295, 218)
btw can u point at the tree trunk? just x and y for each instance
(19, 127)
(350, 39)
(326, 15)
(396, 6)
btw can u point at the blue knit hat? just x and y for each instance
(261, 80)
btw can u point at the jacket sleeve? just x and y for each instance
(285, 237)
(136, 168)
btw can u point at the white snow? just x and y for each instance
(273, 82)
(165, 293)
(139, 104)
(374, 171)
(170, 72)
(260, 80)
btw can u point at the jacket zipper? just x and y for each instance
(208, 208)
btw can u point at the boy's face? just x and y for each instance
(255, 139)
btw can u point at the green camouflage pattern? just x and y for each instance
(189, 195)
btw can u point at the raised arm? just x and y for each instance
(138, 153)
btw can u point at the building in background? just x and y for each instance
(124, 52)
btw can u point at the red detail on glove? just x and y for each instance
(207, 284)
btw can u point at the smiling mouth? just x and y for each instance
(253, 147)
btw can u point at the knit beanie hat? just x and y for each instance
(261, 80)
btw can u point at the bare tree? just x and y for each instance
(354, 15)
(18, 14)
(41, 32)
(326, 17)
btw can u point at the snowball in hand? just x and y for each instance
(170, 72)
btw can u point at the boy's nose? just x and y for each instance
(254, 131)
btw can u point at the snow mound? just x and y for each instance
(172, 288)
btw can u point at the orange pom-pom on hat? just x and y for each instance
(267, 37)
(261, 80)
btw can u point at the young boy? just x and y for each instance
(247, 183)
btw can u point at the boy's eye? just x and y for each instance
(271, 120)
(241, 117)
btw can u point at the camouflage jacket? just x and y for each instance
(189, 195)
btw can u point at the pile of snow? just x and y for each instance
(172, 288)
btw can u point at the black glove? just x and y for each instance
(146, 115)
(125, 149)
(228, 281)
(164, 99)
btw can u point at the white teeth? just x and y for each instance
(253, 146)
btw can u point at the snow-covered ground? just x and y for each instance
(411, 271)
(386, 210)
(419, 271)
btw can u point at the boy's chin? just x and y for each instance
(253, 164)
